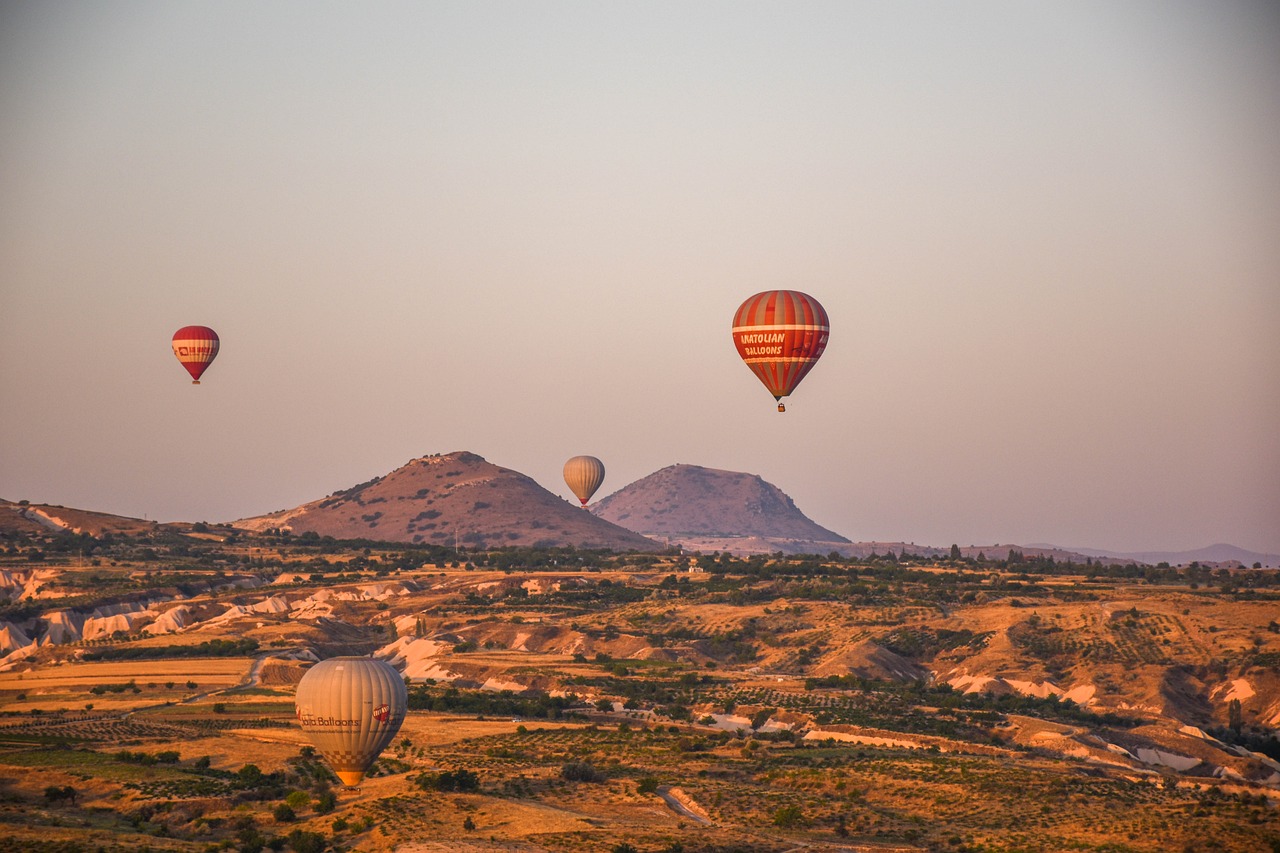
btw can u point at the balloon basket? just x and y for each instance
(782, 407)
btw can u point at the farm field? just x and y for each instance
(72, 677)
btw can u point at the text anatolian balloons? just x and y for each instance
(780, 334)
(351, 708)
(196, 347)
(583, 475)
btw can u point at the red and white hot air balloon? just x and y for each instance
(780, 334)
(196, 347)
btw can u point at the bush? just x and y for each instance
(449, 780)
(284, 814)
(55, 794)
(580, 771)
(302, 841)
(788, 816)
(647, 784)
(326, 802)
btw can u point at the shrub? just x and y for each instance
(580, 771)
(449, 780)
(326, 802)
(302, 841)
(55, 794)
(788, 816)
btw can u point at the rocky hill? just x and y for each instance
(454, 497)
(708, 509)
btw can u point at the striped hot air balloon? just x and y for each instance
(583, 475)
(351, 708)
(780, 334)
(196, 347)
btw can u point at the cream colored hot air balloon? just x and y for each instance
(351, 708)
(583, 475)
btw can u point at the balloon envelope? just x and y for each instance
(196, 347)
(583, 475)
(351, 708)
(781, 334)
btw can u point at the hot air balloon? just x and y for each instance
(196, 347)
(583, 475)
(780, 334)
(351, 708)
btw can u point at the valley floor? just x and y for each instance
(646, 708)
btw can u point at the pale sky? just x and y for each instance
(1047, 235)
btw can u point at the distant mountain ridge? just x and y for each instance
(453, 498)
(1217, 555)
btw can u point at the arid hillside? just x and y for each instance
(453, 498)
(711, 510)
(44, 518)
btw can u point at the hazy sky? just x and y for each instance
(1047, 234)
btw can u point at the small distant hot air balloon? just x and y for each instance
(196, 347)
(351, 708)
(583, 475)
(780, 334)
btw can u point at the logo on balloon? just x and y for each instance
(780, 335)
(325, 724)
(382, 713)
